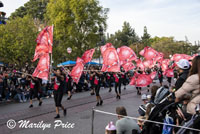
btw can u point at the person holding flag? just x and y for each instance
(59, 85)
(118, 80)
(35, 89)
(97, 84)
(68, 83)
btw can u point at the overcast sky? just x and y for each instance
(178, 18)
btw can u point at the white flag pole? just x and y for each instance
(51, 57)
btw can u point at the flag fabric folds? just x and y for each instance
(42, 69)
(44, 42)
(87, 56)
(77, 70)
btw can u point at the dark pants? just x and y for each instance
(110, 83)
(58, 98)
(97, 89)
(118, 85)
(34, 94)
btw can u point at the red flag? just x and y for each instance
(169, 73)
(44, 42)
(143, 80)
(140, 64)
(128, 66)
(159, 57)
(114, 68)
(110, 59)
(148, 63)
(177, 57)
(126, 54)
(150, 53)
(108, 45)
(143, 51)
(132, 82)
(153, 75)
(77, 70)
(165, 64)
(87, 56)
(42, 69)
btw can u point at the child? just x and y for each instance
(110, 128)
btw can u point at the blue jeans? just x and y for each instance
(21, 96)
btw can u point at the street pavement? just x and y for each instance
(79, 113)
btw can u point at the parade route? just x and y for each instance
(79, 112)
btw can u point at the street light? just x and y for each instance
(101, 40)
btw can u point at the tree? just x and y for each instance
(125, 37)
(17, 42)
(33, 8)
(146, 37)
(169, 46)
(76, 25)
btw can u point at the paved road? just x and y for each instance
(79, 112)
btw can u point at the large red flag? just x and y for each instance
(44, 42)
(149, 53)
(177, 57)
(159, 57)
(140, 64)
(165, 64)
(169, 73)
(132, 82)
(143, 80)
(77, 70)
(108, 45)
(148, 63)
(42, 69)
(153, 75)
(87, 56)
(126, 54)
(128, 66)
(110, 60)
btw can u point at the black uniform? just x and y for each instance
(59, 87)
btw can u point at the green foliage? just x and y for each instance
(17, 43)
(169, 46)
(146, 37)
(76, 25)
(125, 37)
(33, 8)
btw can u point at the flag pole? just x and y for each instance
(51, 57)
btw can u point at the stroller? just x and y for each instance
(167, 106)
(164, 104)
(194, 122)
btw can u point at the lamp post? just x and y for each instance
(101, 41)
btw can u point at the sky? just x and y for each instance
(177, 18)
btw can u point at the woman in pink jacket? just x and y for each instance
(191, 86)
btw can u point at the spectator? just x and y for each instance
(144, 98)
(153, 92)
(140, 121)
(110, 129)
(149, 98)
(191, 86)
(183, 67)
(1, 86)
(20, 94)
(125, 125)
